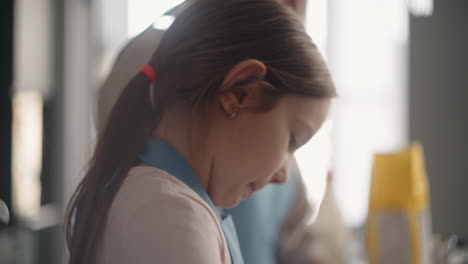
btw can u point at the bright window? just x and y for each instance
(142, 13)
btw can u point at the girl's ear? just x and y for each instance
(234, 97)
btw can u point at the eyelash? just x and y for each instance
(292, 142)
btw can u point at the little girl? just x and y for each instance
(234, 88)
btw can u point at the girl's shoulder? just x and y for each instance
(147, 186)
(157, 217)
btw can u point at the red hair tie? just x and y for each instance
(149, 72)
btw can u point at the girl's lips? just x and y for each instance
(251, 190)
(253, 187)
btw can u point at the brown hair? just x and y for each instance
(204, 42)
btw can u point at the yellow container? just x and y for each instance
(399, 225)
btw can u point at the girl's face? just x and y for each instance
(253, 149)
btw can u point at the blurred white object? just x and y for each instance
(421, 7)
(47, 216)
(27, 152)
(4, 213)
(33, 39)
(333, 235)
(457, 251)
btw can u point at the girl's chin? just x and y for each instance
(227, 204)
(231, 202)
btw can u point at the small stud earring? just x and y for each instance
(232, 114)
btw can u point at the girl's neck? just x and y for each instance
(181, 130)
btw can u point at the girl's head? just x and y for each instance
(245, 82)
(252, 81)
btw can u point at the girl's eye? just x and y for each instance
(292, 142)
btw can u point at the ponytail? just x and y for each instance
(129, 125)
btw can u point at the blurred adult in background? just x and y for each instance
(274, 225)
